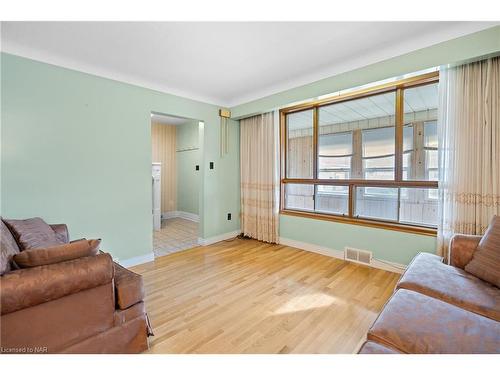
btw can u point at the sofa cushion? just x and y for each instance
(57, 254)
(415, 323)
(427, 274)
(8, 248)
(462, 247)
(128, 287)
(32, 233)
(61, 231)
(371, 347)
(485, 262)
(33, 286)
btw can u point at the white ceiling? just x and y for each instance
(222, 63)
(167, 120)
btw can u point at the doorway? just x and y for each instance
(175, 183)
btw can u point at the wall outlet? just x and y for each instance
(229, 216)
(197, 167)
(211, 165)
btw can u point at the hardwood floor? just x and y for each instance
(246, 296)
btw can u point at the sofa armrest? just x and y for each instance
(462, 247)
(32, 286)
(62, 233)
(129, 288)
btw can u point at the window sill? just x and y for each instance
(364, 222)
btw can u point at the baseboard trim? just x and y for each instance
(189, 216)
(181, 214)
(219, 238)
(135, 261)
(376, 263)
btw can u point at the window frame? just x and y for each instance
(398, 88)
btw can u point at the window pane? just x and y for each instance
(336, 168)
(357, 130)
(378, 153)
(332, 199)
(407, 151)
(334, 160)
(407, 159)
(430, 134)
(339, 144)
(377, 203)
(420, 105)
(378, 142)
(299, 144)
(431, 152)
(299, 197)
(379, 168)
(407, 138)
(418, 206)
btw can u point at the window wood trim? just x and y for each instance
(416, 81)
(398, 88)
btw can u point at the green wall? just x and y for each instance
(76, 148)
(187, 143)
(388, 245)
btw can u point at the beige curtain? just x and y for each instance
(469, 142)
(259, 158)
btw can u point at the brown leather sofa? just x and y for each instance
(439, 308)
(85, 305)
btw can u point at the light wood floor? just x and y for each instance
(246, 296)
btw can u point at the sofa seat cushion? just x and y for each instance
(128, 287)
(415, 323)
(372, 347)
(427, 274)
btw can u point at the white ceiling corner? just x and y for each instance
(223, 63)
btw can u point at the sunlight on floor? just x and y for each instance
(308, 302)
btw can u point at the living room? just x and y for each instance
(344, 189)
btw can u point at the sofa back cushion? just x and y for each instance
(485, 262)
(8, 248)
(57, 254)
(32, 233)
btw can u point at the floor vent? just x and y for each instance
(356, 255)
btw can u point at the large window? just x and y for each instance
(367, 157)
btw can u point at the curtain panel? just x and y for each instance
(469, 143)
(259, 158)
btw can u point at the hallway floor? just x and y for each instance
(175, 235)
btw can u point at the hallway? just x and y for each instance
(176, 234)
